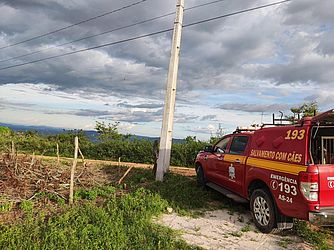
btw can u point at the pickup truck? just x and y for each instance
(283, 171)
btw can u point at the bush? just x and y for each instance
(124, 147)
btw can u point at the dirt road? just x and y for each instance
(220, 229)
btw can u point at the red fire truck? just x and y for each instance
(284, 171)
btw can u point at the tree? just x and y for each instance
(108, 131)
(5, 130)
(304, 110)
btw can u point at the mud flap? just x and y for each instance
(283, 222)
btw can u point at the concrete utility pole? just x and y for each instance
(168, 119)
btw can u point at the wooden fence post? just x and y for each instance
(13, 149)
(58, 158)
(126, 173)
(75, 160)
(82, 157)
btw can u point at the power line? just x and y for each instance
(204, 4)
(87, 49)
(109, 31)
(146, 35)
(75, 24)
(88, 37)
(236, 13)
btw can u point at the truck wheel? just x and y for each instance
(200, 177)
(263, 211)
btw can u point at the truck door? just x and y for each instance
(233, 170)
(216, 159)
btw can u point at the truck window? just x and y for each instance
(238, 145)
(222, 145)
(322, 145)
(327, 149)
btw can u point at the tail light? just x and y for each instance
(309, 185)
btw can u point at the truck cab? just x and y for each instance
(284, 171)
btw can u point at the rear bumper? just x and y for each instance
(325, 217)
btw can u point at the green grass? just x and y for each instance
(316, 237)
(110, 217)
(122, 222)
(183, 194)
(27, 206)
(120, 216)
(5, 207)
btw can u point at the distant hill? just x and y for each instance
(91, 134)
(40, 129)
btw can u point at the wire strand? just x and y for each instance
(87, 49)
(88, 37)
(108, 31)
(235, 13)
(204, 4)
(146, 35)
(75, 24)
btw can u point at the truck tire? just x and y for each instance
(200, 177)
(263, 210)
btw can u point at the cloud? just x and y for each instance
(208, 117)
(115, 115)
(203, 130)
(283, 53)
(215, 54)
(10, 104)
(141, 106)
(255, 108)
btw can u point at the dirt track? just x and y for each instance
(220, 229)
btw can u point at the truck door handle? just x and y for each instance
(237, 161)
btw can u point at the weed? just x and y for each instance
(26, 206)
(5, 206)
(236, 234)
(92, 194)
(284, 242)
(246, 228)
(181, 192)
(123, 222)
(52, 197)
(316, 238)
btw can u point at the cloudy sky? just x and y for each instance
(233, 71)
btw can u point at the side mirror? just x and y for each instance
(208, 149)
(220, 151)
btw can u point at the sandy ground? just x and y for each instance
(222, 230)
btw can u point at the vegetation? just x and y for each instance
(111, 145)
(304, 110)
(120, 223)
(109, 217)
(315, 237)
(120, 216)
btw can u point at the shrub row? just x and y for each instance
(125, 147)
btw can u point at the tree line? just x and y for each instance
(110, 145)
